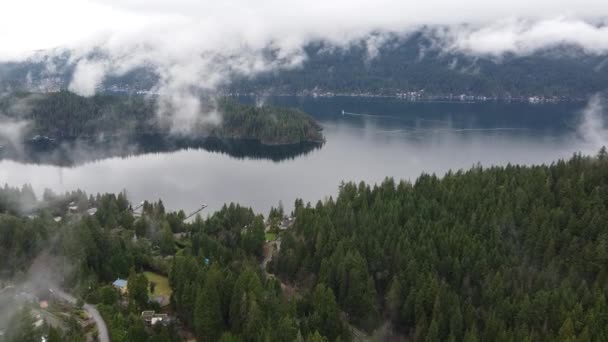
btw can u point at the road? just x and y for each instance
(92, 311)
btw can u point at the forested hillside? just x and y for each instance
(495, 254)
(498, 254)
(416, 63)
(384, 64)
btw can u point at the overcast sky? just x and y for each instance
(197, 45)
(27, 25)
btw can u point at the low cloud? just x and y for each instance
(12, 133)
(524, 37)
(592, 128)
(87, 77)
(196, 47)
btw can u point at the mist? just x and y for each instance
(12, 131)
(592, 128)
(195, 47)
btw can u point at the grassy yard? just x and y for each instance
(162, 285)
(271, 236)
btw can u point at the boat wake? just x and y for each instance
(372, 116)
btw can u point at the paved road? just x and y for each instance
(92, 311)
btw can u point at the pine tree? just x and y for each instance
(208, 320)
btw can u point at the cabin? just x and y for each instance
(151, 318)
(180, 236)
(286, 222)
(72, 207)
(121, 285)
(147, 315)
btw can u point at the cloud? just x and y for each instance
(592, 128)
(87, 77)
(523, 37)
(196, 46)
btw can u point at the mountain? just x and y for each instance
(416, 64)
(413, 64)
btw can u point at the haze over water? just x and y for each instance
(376, 138)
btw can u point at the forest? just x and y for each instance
(383, 65)
(417, 63)
(65, 115)
(506, 253)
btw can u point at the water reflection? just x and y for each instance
(76, 152)
(427, 138)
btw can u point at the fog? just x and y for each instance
(197, 46)
(592, 128)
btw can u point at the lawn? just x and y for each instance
(271, 236)
(162, 285)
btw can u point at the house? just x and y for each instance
(72, 207)
(147, 315)
(286, 222)
(180, 236)
(121, 285)
(38, 321)
(152, 318)
(160, 318)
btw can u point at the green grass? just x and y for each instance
(162, 285)
(271, 236)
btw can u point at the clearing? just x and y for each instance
(162, 288)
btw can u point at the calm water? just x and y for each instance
(376, 138)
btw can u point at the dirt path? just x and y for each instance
(270, 249)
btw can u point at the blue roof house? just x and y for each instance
(121, 285)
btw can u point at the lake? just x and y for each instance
(373, 139)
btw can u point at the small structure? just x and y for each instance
(160, 318)
(92, 211)
(147, 315)
(38, 320)
(57, 219)
(286, 222)
(72, 207)
(152, 318)
(180, 236)
(121, 285)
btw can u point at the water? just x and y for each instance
(392, 138)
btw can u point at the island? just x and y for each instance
(108, 125)
(67, 115)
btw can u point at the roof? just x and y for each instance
(147, 314)
(120, 283)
